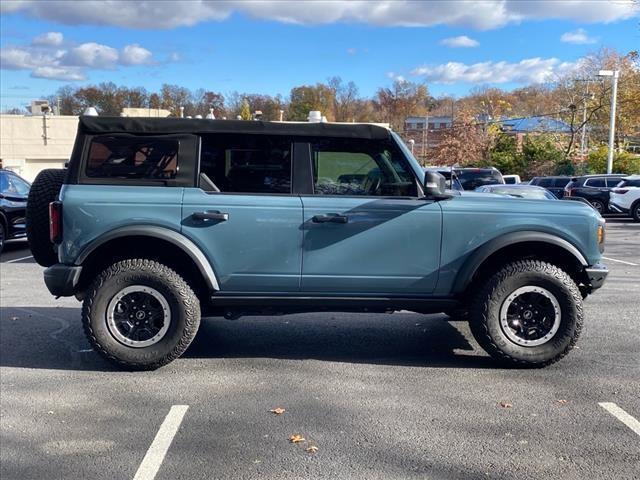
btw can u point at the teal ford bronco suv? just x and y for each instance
(157, 222)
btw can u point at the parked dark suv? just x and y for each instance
(554, 184)
(594, 188)
(472, 178)
(13, 203)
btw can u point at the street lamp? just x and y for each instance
(614, 74)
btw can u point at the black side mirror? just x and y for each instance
(435, 185)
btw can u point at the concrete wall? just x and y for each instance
(31, 144)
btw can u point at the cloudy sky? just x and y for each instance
(270, 46)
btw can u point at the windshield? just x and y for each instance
(13, 185)
(471, 179)
(524, 193)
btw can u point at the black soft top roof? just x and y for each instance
(106, 125)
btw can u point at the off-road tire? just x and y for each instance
(183, 304)
(486, 304)
(635, 211)
(44, 190)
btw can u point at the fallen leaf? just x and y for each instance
(311, 449)
(296, 438)
(505, 405)
(561, 401)
(278, 410)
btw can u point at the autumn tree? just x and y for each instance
(307, 98)
(401, 100)
(345, 99)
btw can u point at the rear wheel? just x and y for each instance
(140, 314)
(528, 314)
(598, 205)
(635, 211)
(44, 190)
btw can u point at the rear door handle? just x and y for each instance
(211, 215)
(330, 218)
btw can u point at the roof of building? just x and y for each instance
(106, 125)
(439, 119)
(535, 124)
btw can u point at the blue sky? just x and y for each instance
(269, 47)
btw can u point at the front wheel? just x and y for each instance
(528, 314)
(140, 314)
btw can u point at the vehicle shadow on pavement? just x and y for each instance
(398, 339)
(52, 338)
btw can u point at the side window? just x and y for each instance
(360, 167)
(612, 182)
(247, 163)
(560, 182)
(595, 182)
(132, 158)
(545, 182)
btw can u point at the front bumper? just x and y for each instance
(596, 274)
(618, 208)
(61, 280)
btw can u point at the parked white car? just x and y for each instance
(625, 197)
(512, 179)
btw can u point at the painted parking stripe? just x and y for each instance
(18, 259)
(161, 443)
(621, 415)
(620, 261)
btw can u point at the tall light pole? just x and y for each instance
(614, 74)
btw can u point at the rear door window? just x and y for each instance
(247, 163)
(135, 158)
(612, 182)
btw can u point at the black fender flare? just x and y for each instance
(162, 233)
(468, 270)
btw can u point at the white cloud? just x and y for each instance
(352, 51)
(58, 73)
(579, 37)
(459, 42)
(49, 39)
(91, 54)
(135, 55)
(481, 15)
(46, 61)
(530, 70)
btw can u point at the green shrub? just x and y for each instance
(623, 161)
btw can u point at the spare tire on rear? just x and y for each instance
(44, 190)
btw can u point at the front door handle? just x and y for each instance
(211, 215)
(330, 218)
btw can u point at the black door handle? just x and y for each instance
(330, 218)
(211, 215)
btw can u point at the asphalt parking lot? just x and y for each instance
(397, 396)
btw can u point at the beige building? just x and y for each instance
(29, 144)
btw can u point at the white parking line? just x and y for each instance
(161, 443)
(18, 259)
(621, 415)
(620, 261)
